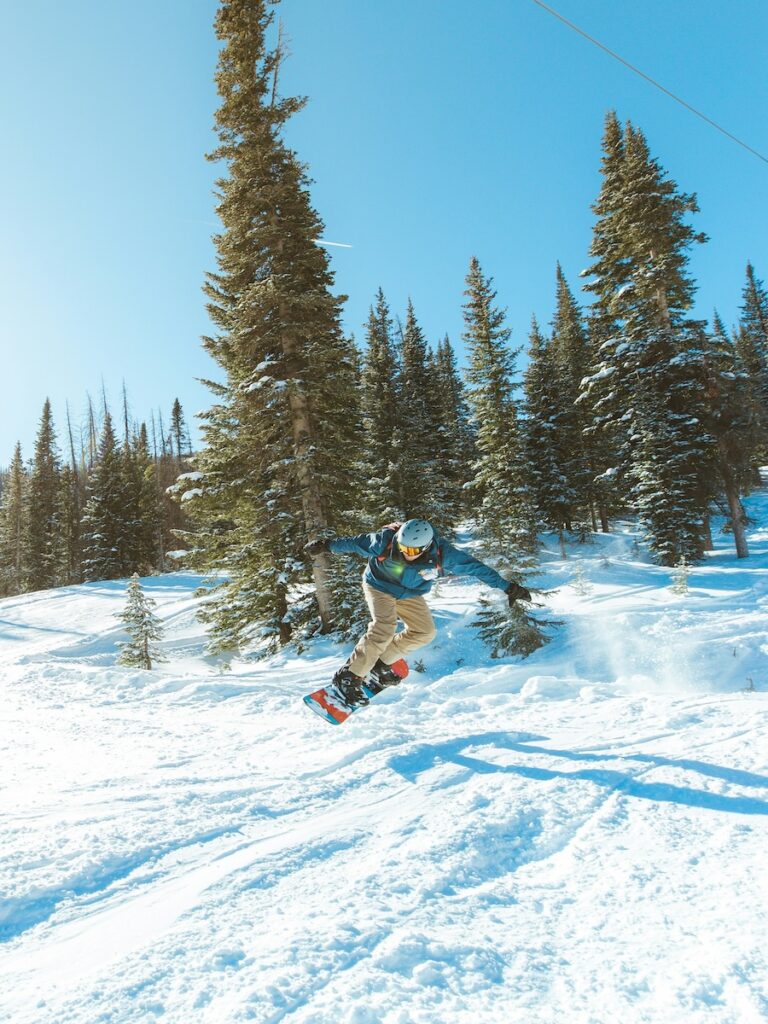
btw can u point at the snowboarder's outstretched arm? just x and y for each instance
(364, 544)
(461, 563)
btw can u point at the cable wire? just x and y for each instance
(648, 78)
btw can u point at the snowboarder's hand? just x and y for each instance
(316, 547)
(515, 592)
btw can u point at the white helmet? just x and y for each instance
(414, 536)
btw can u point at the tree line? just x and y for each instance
(102, 513)
(627, 406)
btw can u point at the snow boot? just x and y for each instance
(350, 688)
(383, 675)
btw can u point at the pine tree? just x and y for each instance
(147, 508)
(503, 504)
(69, 546)
(584, 459)
(181, 447)
(510, 631)
(680, 577)
(752, 338)
(646, 388)
(70, 549)
(143, 627)
(276, 466)
(732, 417)
(384, 492)
(43, 507)
(419, 448)
(108, 516)
(13, 529)
(547, 437)
(454, 433)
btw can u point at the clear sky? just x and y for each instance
(434, 131)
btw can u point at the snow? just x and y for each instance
(193, 492)
(579, 837)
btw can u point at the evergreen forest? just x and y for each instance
(625, 405)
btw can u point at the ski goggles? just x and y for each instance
(411, 552)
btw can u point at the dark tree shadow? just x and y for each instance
(426, 756)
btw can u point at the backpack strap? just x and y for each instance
(394, 527)
(440, 569)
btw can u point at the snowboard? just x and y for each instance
(330, 705)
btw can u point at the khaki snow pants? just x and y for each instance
(381, 639)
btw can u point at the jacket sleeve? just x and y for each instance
(461, 563)
(365, 544)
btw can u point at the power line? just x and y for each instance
(648, 78)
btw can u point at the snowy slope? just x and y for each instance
(576, 838)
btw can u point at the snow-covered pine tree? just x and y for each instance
(419, 447)
(680, 574)
(647, 386)
(173, 458)
(752, 338)
(108, 517)
(510, 631)
(501, 487)
(148, 529)
(382, 463)
(583, 459)
(13, 529)
(579, 580)
(69, 547)
(603, 429)
(732, 417)
(455, 436)
(43, 507)
(546, 436)
(277, 464)
(143, 627)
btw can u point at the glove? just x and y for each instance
(515, 592)
(316, 547)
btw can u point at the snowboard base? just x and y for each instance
(330, 705)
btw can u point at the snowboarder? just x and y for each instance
(394, 589)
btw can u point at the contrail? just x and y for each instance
(322, 241)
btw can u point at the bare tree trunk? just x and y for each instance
(72, 446)
(125, 419)
(92, 439)
(706, 531)
(738, 518)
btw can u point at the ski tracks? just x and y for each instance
(454, 874)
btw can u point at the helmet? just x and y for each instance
(414, 536)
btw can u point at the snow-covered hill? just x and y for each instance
(576, 838)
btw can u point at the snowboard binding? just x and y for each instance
(348, 693)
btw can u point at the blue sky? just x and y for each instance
(435, 131)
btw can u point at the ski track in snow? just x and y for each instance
(577, 837)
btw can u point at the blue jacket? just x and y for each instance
(389, 571)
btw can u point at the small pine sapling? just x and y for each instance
(680, 576)
(511, 630)
(579, 580)
(143, 628)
